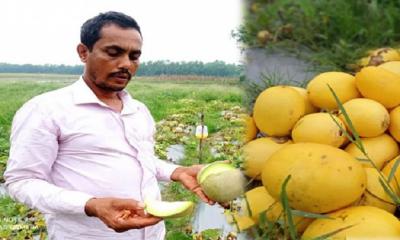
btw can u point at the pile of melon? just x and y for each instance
(303, 133)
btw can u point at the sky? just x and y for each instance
(47, 31)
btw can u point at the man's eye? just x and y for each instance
(134, 56)
(112, 52)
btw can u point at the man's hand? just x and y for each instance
(120, 214)
(188, 177)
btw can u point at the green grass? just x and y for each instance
(173, 101)
(332, 33)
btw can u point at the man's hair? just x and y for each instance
(90, 30)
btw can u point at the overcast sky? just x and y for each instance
(47, 31)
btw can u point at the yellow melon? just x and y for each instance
(369, 117)
(360, 222)
(257, 152)
(387, 170)
(258, 201)
(323, 178)
(375, 194)
(309, 107)
(342, 83)
(394, 127)
(277, 109)
(379, 84)
(380, 56)
(380, 150)
(393, 66)
(250, 131)
(319, 128)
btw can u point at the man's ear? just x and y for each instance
(83, 52)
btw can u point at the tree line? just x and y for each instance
(151, 68)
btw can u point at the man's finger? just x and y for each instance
(138, 222)
(202, 195)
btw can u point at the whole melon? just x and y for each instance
(319, 128)
(323, 178)
(380, 85)
(379, 56)
(343, 84)
(394, 127)
(369, 117)
(277, 109)
(361, 222)
(257, 152)
(380, 150)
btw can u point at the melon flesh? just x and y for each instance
(165, 209)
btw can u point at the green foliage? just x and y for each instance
(332, 33)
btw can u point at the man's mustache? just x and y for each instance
(122, 73)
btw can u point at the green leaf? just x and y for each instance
(348, 120)
(389, 191)
(310, 215)
(394, 169)
(288, 210)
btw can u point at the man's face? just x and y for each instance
(114, 58)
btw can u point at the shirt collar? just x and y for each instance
(82, 94)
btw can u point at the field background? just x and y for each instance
(174, 101)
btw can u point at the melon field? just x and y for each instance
(176, 104)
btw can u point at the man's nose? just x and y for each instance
(125, 62)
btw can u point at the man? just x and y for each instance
(83, 155)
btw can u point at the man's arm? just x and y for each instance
(34, 147)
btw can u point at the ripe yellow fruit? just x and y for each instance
(375, 194)
(250, 129)
(379, 84)
(242, 222)
(380, 56)
(277, 109)
(309, 107)
(393, 66)
(319, 128)
(394, 127)
(361, 222)
(343, 84)
(380, 150)
(323, 178)
(258, 201)
(264, 36)
(369, 117)
(388, 168)
(257, 152)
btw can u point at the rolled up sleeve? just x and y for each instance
(34, 148)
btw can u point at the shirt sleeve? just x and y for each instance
(34, 148)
